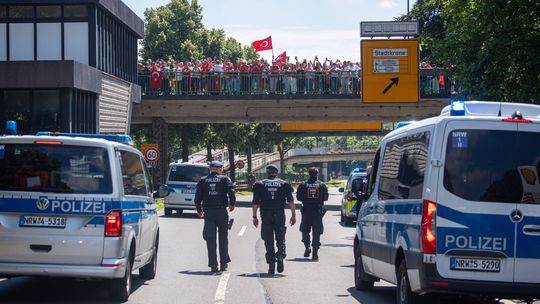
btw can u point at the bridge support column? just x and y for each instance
(160, 135)
(324, 172)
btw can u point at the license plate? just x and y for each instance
(42, 221)
(189, 191)
(471, 264)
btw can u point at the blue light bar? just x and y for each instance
(403, 124)
(120, 138)
(358, 170)
(11, 127)
(457, 108)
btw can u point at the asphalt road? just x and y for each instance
(183, 275)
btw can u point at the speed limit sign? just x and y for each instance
(151, 155)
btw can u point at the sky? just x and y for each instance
(304, 28)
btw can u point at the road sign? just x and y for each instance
(329, 126)
(240, 164)
(388, 28)
(390, 71)
(151, 155)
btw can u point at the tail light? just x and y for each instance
(113, 224)
(428, 230)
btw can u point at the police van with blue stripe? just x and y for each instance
(182, 181)
(73, 206)
(453, 205)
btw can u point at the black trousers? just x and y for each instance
(311, 222)
(273, 228)
(216, 219)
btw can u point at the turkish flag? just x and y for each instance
(156, 80)
(263, 45)
(282, 58)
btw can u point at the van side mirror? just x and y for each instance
(341, 190)
(163, 191)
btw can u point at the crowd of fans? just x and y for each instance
(211, 76)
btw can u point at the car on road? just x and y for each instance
(182, 180)
(77, 207)
(352, 196)
(454, 205)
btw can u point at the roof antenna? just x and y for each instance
(500, 106)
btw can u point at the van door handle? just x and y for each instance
(532, 230)
(41, 248)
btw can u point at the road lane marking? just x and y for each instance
(222, 288)
(241, 233)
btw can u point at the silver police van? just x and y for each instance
(453, 205)
(76, 207)
(182, 181)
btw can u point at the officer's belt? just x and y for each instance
(214, 206)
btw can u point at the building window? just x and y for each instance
(76, 41)
(21, 12)
(75, 11)
(16, 106)
(21, 41)
(46, 108)
(3, 13)
(49, 11)
(3, 42)
(49, 41)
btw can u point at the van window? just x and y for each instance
(403, 167)
(54, 168)
(373, 176)
(188, 173)
(493, 165)
(133, 177)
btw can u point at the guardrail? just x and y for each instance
(433, 83)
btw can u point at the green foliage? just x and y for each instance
(492, 46)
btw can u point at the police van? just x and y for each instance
(77, 207)
(453, 205)
(352, 195)
(182, 180)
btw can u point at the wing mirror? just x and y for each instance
(341, 190)
(163, 191)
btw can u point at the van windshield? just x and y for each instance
(493, 166)
(187, 173)
(54, 168)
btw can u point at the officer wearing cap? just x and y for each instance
(214, 193)
(272, 195)
(312, 193)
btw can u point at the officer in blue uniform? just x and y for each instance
(214, 193)
(312, 193)
(272, 195)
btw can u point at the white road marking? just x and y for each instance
(241, 233)
(222, 288)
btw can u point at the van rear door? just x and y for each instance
(528, 209)
(478, 190)
(53, 200)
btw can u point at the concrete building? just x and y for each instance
(68, 65)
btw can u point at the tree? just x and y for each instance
(172, 30)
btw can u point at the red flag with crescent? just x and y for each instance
(282, 58)
(263, 45)
(156, 79)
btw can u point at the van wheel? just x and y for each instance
(348, 221)
(404, 294)
(120, 289)
(148, 271)
(359, 282)
(168, 212)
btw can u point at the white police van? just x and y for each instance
(76, 207)
(454, 205)
(182, 180)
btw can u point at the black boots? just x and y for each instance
(214, 269)
(280, 266)
(315, 256)
(223, 267)
(307, 252)
(271, 268)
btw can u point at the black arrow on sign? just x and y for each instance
(394, 81)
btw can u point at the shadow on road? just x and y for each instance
(303, 260)
(199, 273)
(337, 245)
(379, 294)
(262, 275)
(58, 290)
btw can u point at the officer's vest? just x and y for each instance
(273, 194)
(313, 194)
(214, 191)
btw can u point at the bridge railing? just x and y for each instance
(433, 83)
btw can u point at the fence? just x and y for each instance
(433, 83)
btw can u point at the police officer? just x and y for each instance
(272, 195)
(312, 193)
(214, 193)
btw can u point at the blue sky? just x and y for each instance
(303, 28)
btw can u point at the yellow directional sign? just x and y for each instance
(330, 126)
(390, 71)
